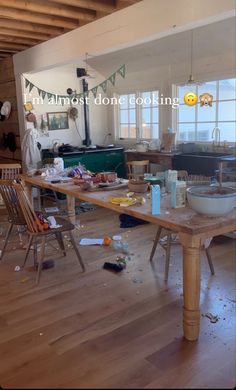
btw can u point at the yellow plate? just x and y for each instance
(124, 201)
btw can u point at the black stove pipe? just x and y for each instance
(87, 141)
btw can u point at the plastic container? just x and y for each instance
(170, 175)
(156, 199)
(178, 194)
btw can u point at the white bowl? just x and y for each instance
(205, 200)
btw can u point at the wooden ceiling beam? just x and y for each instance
(24, 34)
(38, 18)
(8, 51)
(49, 9)
(24, 41)
(14, 46)
(104, 6)
(4, 55)
(120, 4)
(15, 24)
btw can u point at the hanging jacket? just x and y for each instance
(31, 155)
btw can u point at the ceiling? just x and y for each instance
(208, 41)
(26, 23)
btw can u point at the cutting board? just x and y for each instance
(108, 187)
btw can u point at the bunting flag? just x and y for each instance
(94, 91)
(26, 83)
(121, 71)
(112, 78)
(52, 97)
(104, 86)
(31, 86)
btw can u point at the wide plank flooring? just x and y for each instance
(101, 329)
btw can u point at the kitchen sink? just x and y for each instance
(199, 163)
(206, 154)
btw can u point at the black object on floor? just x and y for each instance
(113, 266)
(47, 264)
(126, 221)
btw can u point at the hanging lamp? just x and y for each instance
(191, 81)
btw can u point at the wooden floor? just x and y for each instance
(105, 330)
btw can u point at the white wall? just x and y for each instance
(144, 21)
(56, 81)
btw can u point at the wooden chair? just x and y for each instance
(13, 193)
(136, 169)
(15, 215)
(9, 171)
(167, 247)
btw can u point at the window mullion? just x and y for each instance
(217, 101)
(151, 120)
(138, 117)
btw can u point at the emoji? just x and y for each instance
(190, 99)
(206, 99)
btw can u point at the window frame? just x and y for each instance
(215, 123)
(138, 110)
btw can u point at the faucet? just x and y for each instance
(216, 136)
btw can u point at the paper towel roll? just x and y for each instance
(58, 163)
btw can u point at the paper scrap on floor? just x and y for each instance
(91, 241)
(51, 209)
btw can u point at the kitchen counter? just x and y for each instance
(154, 157)
(48, 153)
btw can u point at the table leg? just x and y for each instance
(71, 208)
(191, 286)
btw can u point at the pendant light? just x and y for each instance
(191, 81)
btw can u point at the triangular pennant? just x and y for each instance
(39, 91)
(94, 91)
(43, 94)
(49, 95)
(112, 78)
(121, 71)
(52, 99)
(26, 83)
(104, 86)
(31, 86)
(85, 94)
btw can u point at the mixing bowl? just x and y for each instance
(211, 200)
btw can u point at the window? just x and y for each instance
(138, 115)
(195, 123)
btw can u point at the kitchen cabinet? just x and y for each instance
(94, 160)
(99, 161)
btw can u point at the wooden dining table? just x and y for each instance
(192, 228)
